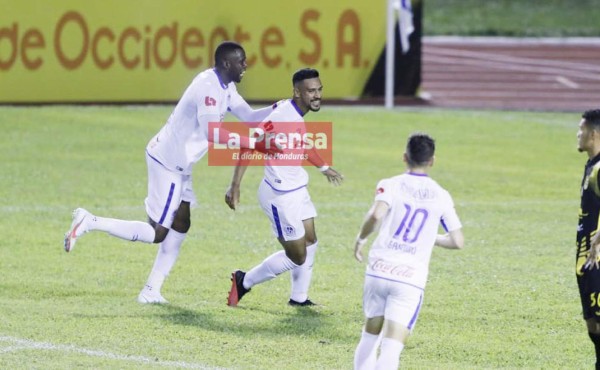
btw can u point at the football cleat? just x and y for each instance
(148, 296)
(237, 288)
(306, 303)
(78, 228)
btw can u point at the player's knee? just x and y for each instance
(295, 250)
(310, 240)
(373, 325)
(298, 258)
(593, 326)
(160, 234)
(181, 225)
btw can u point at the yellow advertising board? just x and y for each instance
(149, 50)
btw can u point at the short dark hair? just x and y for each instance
(592, 118)
(224, 49)
(420, 148)
(304, 74)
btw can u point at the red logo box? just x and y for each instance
(272, 143)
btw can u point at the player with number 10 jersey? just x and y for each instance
(402, 249)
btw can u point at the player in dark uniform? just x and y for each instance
(588, 237)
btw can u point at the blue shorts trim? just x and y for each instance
(283, 191)
(169, 199)
(277, 222)
(395, 281)
(414, 318)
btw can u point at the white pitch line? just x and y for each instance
(500, 57)
(568, 83)
(495, 40)
(13, 349)
(27, 344)
(516, 67)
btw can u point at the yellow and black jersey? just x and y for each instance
(589, 210)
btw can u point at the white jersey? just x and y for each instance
(183, 140)
(290, 177)
(402, 249)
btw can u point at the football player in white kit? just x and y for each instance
(170, 157)
(408, 210)
(284, 198)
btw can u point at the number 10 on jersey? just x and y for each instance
(412, 224)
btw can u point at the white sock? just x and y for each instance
(166, 257)
(275, 264)
(389, 356)
(302, 275)
(366, 352)
(127, 230)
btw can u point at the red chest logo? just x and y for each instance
(208, 101)
(380, 190)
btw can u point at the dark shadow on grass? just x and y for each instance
(290, 320)
(302, 320)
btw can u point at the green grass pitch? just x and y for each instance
(508, 300)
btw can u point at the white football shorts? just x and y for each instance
(286, 210)
(166, 190)
(393, 300)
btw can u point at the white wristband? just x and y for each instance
(323, 168)
(360, 241)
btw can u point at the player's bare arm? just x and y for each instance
(244, 112)
(452, 240)
(377, 212)
(332, 175)
(232, 195)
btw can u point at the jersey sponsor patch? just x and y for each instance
(208, 101)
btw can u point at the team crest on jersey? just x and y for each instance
(290, 231)
(208, 101)
(380, 190)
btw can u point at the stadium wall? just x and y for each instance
(149, 50)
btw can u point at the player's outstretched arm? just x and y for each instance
(221, 134)
(232, 195)
(333, 176)
(452, 240)
(244, 112)
(377, 212)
